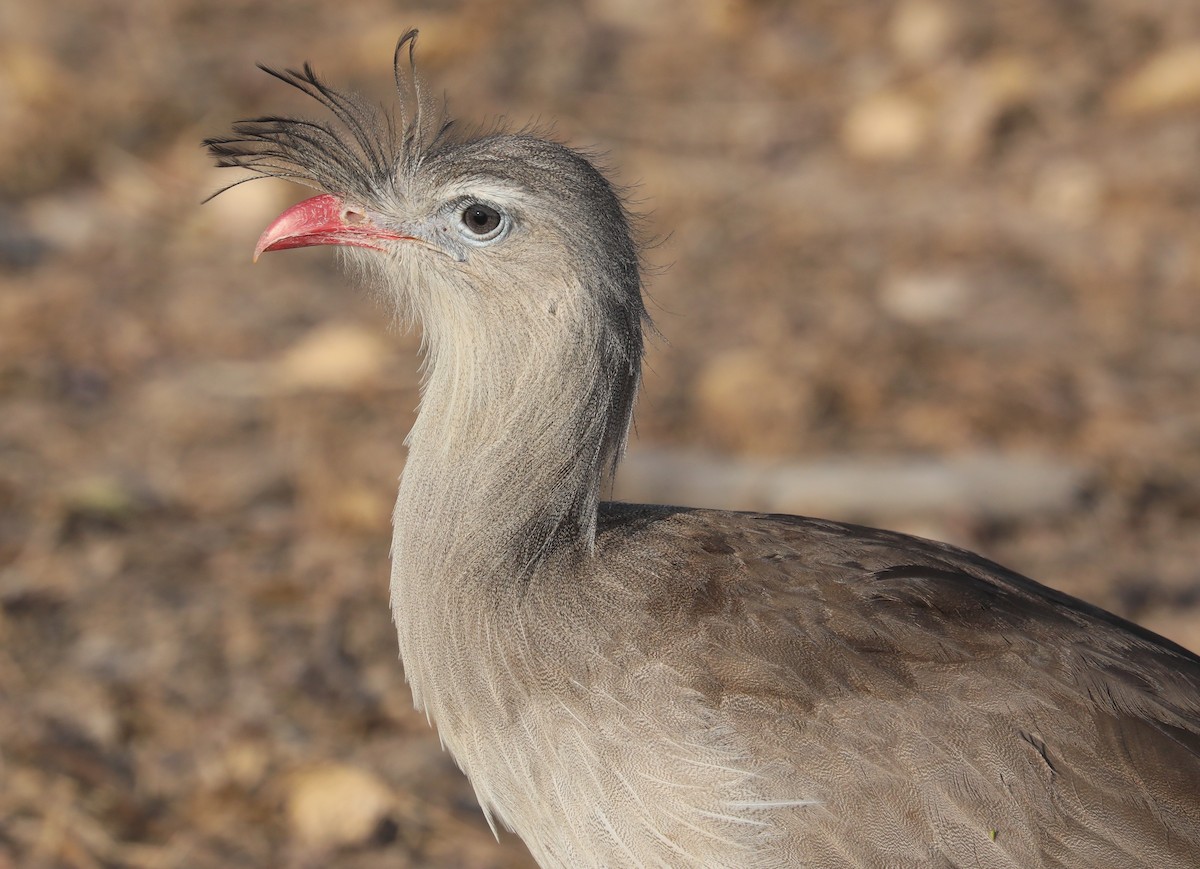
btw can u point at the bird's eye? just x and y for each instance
(482, 222)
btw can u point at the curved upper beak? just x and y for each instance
(323, 219)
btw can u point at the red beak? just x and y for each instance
(321, 220)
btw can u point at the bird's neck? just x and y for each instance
(523, 414)
(516, 436)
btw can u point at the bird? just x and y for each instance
(662, 686)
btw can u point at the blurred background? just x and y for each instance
(923, 264)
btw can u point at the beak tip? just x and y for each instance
(312, 221)
(264, 243)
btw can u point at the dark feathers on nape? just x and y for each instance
(358, 153)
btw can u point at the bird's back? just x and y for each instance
(854, 697)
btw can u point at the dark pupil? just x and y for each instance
(481, 219)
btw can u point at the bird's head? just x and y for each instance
(456, 228)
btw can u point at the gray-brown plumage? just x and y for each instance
(657, 686)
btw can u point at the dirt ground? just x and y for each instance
(913, 230)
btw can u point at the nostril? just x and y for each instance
(353, 217)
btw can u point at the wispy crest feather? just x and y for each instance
(360, 152)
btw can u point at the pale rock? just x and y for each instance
(355, 507)
(921, 30)
(336, 357)
(336, 805)
(1169, 80)
(922, 298)
(887, 126)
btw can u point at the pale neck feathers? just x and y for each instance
(526, 401)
